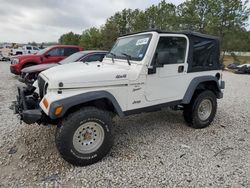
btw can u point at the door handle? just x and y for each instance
(180, 69)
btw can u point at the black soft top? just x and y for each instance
(204, 50)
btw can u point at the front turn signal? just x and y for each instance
(45, 103)
(58, 110)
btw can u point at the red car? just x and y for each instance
(52, 54)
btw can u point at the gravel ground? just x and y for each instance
(150, 150)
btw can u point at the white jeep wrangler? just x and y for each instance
(143, 72)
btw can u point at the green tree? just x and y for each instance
(223, 18)
(70, 39)
(32, 43)
(91, 39)
(193, 15)
(163, 16)
(109, 35)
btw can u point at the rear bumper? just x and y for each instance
(27, 105)
(222, 86)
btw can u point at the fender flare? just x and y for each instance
(193, 85)
(69, 102)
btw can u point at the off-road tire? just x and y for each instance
(190, 112)
(65, 136)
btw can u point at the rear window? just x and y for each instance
(205, 54)
(70, 51)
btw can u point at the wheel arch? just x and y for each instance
(28, 63)
(202, 83)
(99, 99)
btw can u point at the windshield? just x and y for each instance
(74, 57)
(134, 46)
(40, 52)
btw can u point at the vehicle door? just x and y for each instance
(54, 55)
(169, 80)
(69, 51)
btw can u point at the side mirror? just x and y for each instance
(159, 60)
(101, 59)
(162, 58)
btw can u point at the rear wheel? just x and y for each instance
(85, 136)
(201, 110)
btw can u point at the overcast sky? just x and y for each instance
(45, 20)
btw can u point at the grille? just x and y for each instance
(41, 83)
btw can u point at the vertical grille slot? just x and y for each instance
(41, 84)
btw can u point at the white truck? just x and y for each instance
(26, 49)
(143, 72)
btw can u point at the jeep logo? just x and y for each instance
(136, 102)
(121, 76)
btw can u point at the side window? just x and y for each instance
(95, 57)
(35, 48)
(174, 49)
(204, 51)
(28, 48)
(70, 51)
(56, 52)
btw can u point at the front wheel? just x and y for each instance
(201, 110)
(85, 136)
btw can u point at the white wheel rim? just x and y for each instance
(205, 109)
(88, 137)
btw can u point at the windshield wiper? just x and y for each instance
(128, 57)
(112, 56)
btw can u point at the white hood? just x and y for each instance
(92, 74)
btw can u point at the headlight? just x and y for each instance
(15, 61)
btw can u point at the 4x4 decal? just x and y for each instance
(121, 76)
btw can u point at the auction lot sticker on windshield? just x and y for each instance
(142, 41)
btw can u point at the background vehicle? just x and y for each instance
(143, 72)
(29, 74)
(52, 54)
(27, 49)
(4, 54)
(242, 69)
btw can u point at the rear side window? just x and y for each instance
(204, 53)
(70, 51)
(95, 57)
(28, 48)
(56, 52)
(175, 47)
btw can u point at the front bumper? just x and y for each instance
(27, 105)
(13, 70)
(27, 78)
